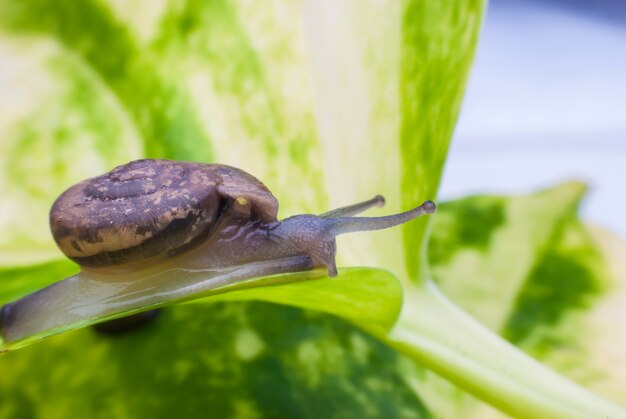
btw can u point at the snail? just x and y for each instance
(152, 231)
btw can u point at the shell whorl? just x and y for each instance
(146, 210)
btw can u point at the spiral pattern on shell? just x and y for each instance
(147, 210)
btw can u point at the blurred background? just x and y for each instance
(546, 102)
(205, 79)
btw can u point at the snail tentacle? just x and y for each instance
(354, 209)
(344, 225)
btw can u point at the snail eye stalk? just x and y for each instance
(350, 210)
(342, 225)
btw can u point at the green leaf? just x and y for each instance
(158, 109)
(567, 314)
(525, 267)
(484, 248)
(266, 99)
(232, 360)
(255, 79)
(540, 298)
(434, 332)
(568, 277)
(370, 298)
(434, 68)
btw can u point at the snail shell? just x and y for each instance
(148, 210)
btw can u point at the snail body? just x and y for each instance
(152, 231)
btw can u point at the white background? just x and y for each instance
(546, 102)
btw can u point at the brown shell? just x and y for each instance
(152, 209)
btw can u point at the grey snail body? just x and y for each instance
(155, 231)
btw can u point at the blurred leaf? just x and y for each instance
(46, 146)
(568, 277)
(158, 109)
(255, 81)
(484, 248)
(436, 333)
(435, 65)
(568, 313)
(525, 267)
(601, 345)
(232, 360)
(307, 96)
